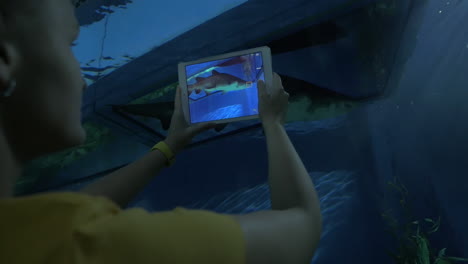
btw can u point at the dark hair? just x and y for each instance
(78, 3)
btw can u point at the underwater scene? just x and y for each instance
(224, 89)
(377, 113)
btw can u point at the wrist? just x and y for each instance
(174, 145)
(268, 125)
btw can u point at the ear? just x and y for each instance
(8, 63)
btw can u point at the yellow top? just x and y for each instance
(77, 229)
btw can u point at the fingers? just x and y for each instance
(278, 85)
(278, 78)
(278, 88)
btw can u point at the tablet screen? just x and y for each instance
(224, 89)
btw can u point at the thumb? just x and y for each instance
(177, 99)
(261, 88)
(202, 127)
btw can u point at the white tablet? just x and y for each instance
(223, 88)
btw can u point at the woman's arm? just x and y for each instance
(123, 185)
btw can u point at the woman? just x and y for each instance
(40, 99)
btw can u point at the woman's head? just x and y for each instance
(43, 113)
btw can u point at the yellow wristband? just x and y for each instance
(164, 148)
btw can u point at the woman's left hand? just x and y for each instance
(180, 133)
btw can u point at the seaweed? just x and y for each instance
(413, 236)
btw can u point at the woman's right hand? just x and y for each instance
(272, 107)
